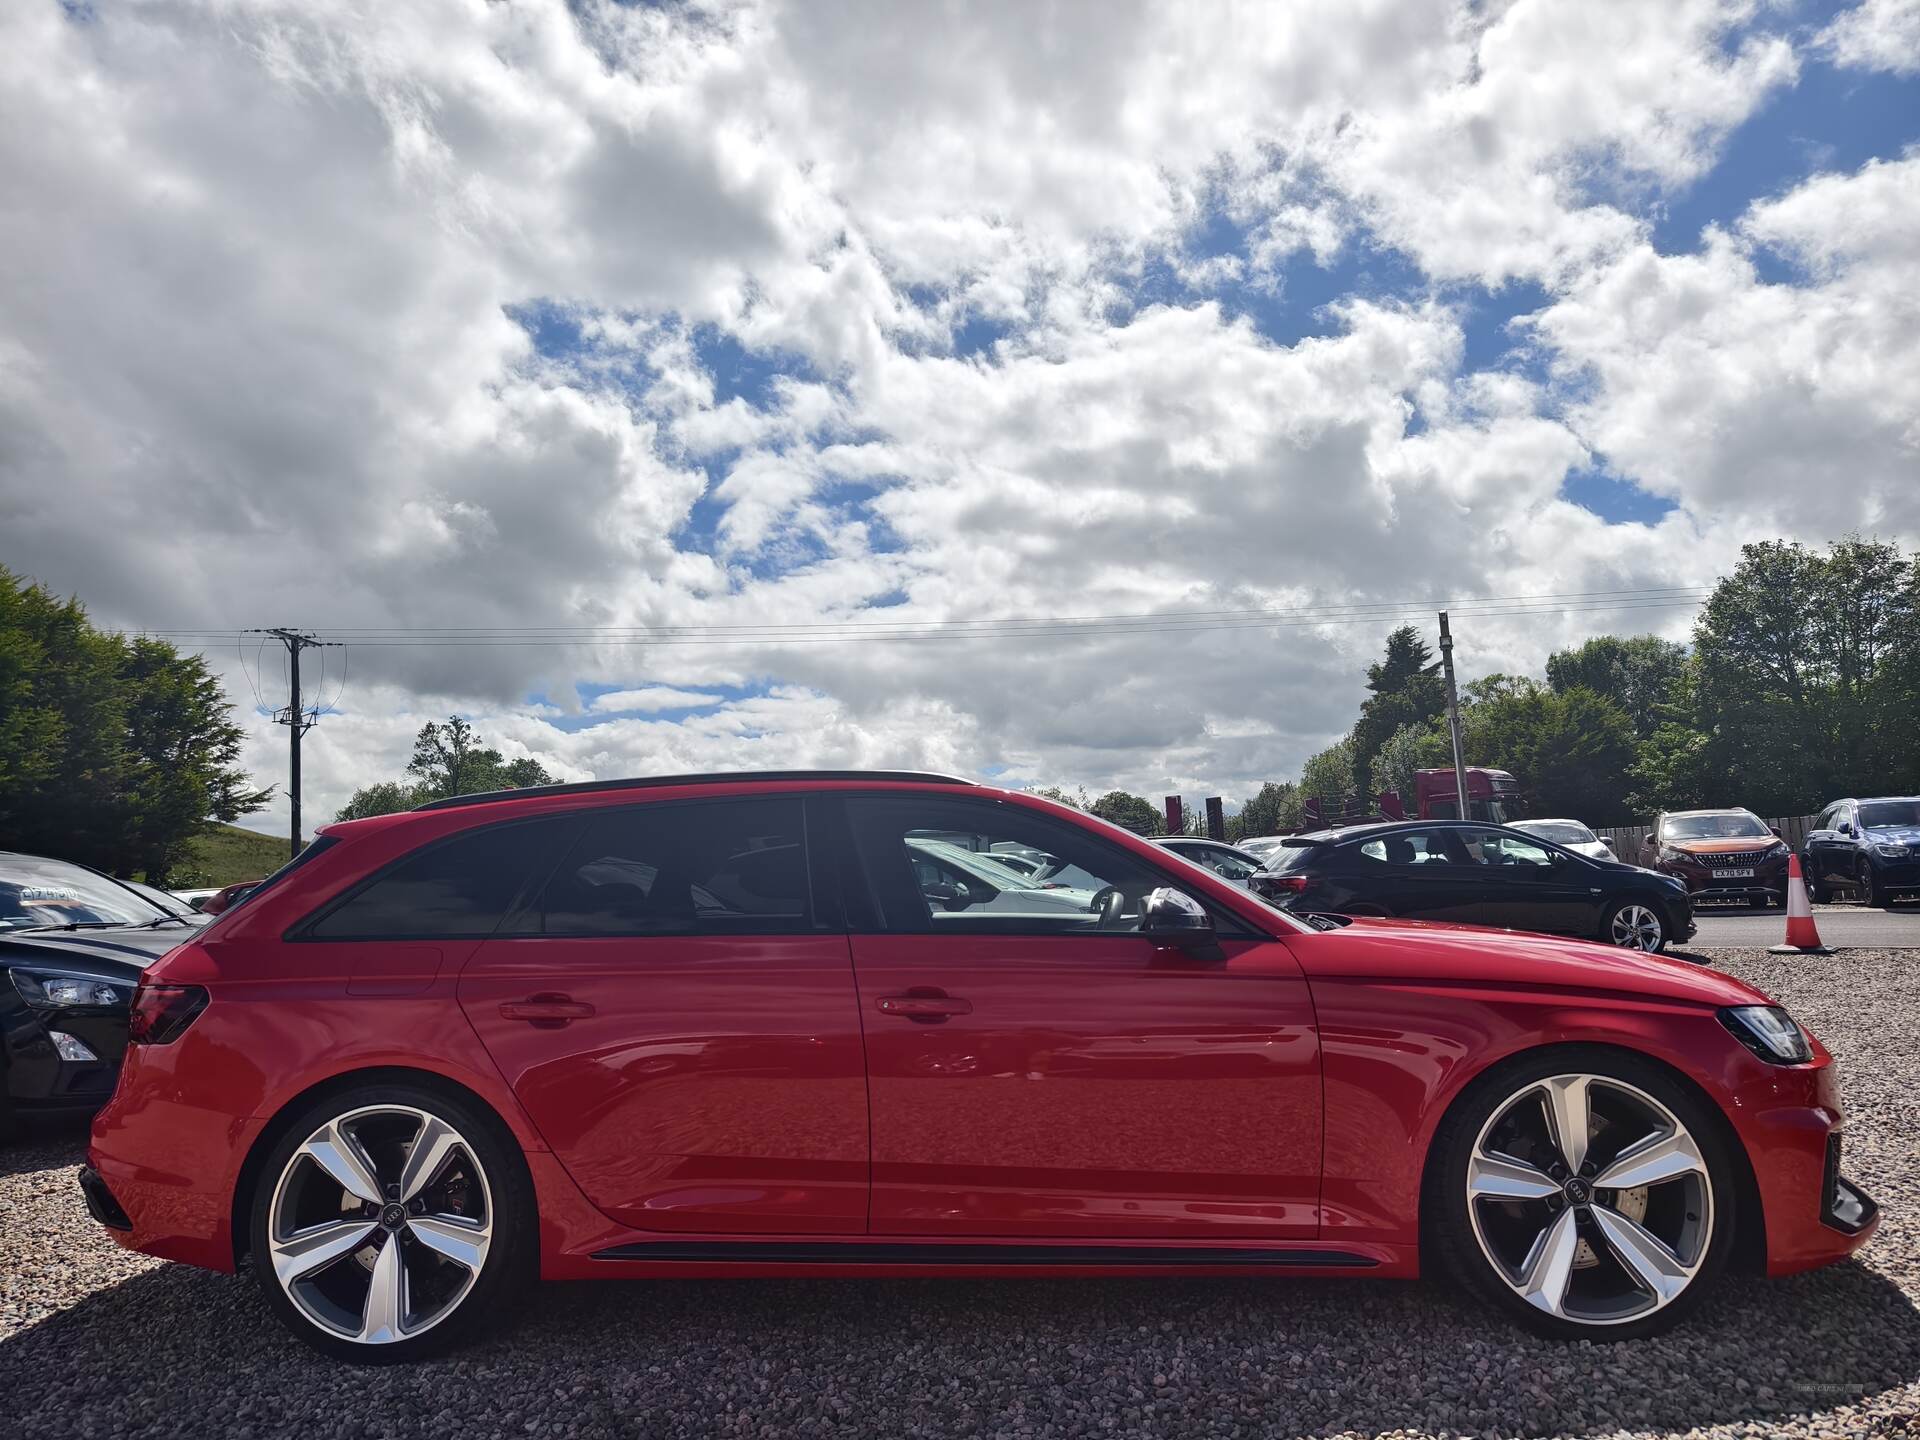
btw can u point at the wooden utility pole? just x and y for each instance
(296, 717)
(1453, 716)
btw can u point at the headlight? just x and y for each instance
(1667, 854)
(1891, 851)
(1776, 850)
(52, 988)
(1769, 1032)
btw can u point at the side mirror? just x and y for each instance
(954, 896)
(1776, 832)
(1173, 917)
(1652, 842)
(1846, 828)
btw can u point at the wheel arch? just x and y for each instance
(1749, 1236)
(275, 1130)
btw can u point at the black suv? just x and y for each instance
(1871, 847)
(1475, 875)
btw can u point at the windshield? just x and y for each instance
(1561, 832)
(37, 893)
(1876, 813)
(1740, 825)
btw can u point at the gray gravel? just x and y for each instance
(95, 1342)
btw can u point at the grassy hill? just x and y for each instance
(229, 853)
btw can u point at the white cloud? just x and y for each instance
(260, 362)
(1877, 35)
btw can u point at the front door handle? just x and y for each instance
(546, 1011)
(925, 1005)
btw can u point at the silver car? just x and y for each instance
(1568, 835)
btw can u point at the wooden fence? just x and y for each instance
(1628, 840)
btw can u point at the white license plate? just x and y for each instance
(1733, 874)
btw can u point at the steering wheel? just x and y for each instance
(1109, 903)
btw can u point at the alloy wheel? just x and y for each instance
(1590, 1199)
(1637, 928)
(380, 1224)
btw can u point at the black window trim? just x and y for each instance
(1227, 925)
(301, 931)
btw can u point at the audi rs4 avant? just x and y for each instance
(805, 1024)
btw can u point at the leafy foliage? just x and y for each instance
(447, 760)
(1130, 812)
(1405, 689)
(1330, 774)
(113, 752)
(1635, 673)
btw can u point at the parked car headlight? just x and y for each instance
(1893, 851)
(1769, 1032)
(1776, 851)
(54, 988)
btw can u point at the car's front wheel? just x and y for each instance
(1634, 925)
(391, 1221)
(1584, 1193)
(1871, 891)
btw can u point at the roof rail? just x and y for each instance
(655, 782)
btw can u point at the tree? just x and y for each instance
(1130, 812)
(1635, 673)
(1405, 689)
(1421, 746)
(113, 752)
(383, 797)
(1273, 810)
(1055, 793)
(1573, 753)
(1329, 775)
(449, 760)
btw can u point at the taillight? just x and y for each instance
(162, 1013)
(1295, 883)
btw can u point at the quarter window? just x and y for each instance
(934, 866)
(457, 888)
(1496, 848)
(713, 867)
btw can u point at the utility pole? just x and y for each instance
(1453, 716)
(297, 718)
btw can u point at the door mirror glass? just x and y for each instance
(1173, 917)
(1846, 828)
(1650, 841)
(1774, 830)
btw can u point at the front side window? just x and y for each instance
(935, 865)
(725, 867)
(1502, 849)
(459, 888)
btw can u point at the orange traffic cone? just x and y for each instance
(1803, 938)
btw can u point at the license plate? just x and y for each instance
(1734, 874)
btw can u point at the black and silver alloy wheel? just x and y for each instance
(388, 1222)
(1590, 1200)
(1635, 926)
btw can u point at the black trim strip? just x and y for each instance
(655, 782)
(834, 1252)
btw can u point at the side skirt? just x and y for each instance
(703, 1252)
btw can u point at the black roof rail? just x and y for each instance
(655, 782)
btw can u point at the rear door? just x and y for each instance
(674, 1007)
(1040, 1069)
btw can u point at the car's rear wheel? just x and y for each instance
(391, 1221)
(1585, 1193)
(1634, 925)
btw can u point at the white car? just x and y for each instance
(955, 877)
(1229, 862)
(1568, 835)
(1263, 847)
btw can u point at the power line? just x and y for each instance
(295, 717)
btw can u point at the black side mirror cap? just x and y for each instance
(1173, 917)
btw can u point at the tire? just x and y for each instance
(1817, 892)
(1872, 892)
(1583, 1289)
(476, 1196)
(1635, 923)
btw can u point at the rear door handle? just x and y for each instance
(547, 1011)
(926, 1006)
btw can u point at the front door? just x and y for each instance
(678, 1017)
(1038, 1068)
(1525, 886)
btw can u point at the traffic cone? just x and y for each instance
(1803, 938)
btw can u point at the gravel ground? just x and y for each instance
(97, 1342)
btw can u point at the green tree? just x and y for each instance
(1130, 812)
(1634, 672)
(1421, 746)
(1328, 777)
(449, 760)
(114, 753)
(1273, 810)
(383, 797)
(1078, 800)
(1573, 753)
(1404, 688)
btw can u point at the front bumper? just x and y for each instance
(38, 1080)
(1790, 1121)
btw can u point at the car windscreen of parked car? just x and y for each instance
(1875, 814)
(1561, 832)
(38, 894)
(1713, 827)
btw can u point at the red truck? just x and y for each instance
(1492, 795)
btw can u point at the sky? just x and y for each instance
(508, 340)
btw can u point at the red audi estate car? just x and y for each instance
(805, 1024)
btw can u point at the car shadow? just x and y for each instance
(46, 1145)
(174, 1350)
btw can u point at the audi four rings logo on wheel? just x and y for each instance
(888, 1023)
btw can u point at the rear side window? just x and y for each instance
(458, 888)
(1294, 857)
(1418, 847)
(725, 867)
